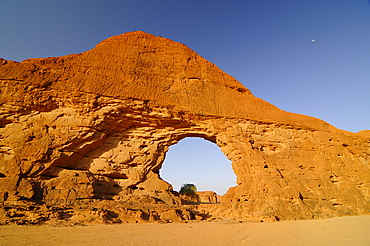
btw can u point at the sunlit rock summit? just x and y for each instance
(83, 138)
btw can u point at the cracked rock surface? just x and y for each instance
(83, 138)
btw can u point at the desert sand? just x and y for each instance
(352, 230)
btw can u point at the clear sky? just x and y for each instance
(199, 162)
(304, 56)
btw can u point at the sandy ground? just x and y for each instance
(337, 231)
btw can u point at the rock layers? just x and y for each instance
(94, 128)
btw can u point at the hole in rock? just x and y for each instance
(199, 162)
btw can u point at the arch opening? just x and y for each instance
(200, 162)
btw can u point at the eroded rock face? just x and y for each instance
(97, 125)
(208, 196)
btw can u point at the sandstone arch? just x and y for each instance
(96, 125)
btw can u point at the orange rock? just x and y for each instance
(97, 125)
(207, 196)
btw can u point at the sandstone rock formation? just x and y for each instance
(95, 127)
(207, 197)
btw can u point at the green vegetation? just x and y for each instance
(188, 189)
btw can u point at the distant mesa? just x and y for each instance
(84, 136)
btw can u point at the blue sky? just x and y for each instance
(265, 44)
(199, 162)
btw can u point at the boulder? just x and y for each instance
(208, 196)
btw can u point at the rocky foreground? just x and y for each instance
(83, 138)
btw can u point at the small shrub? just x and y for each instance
(188, 189)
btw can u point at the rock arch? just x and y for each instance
(97, 126)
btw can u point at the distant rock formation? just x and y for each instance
(95, 127)
(208, 197)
